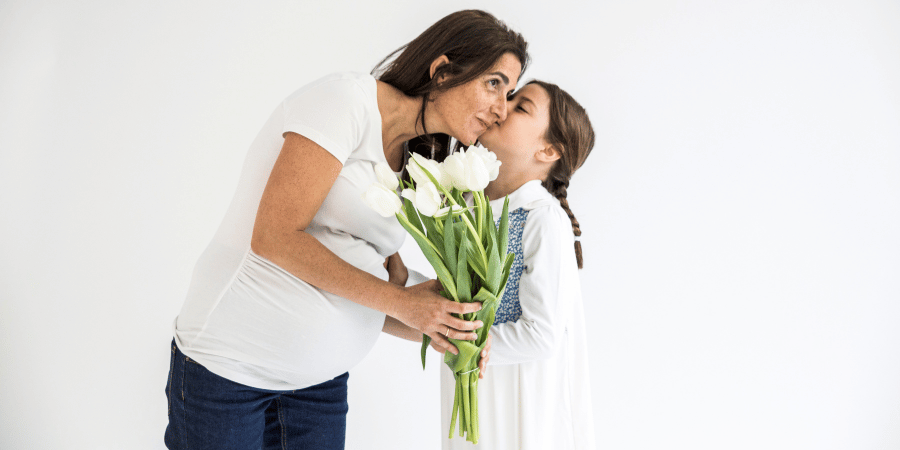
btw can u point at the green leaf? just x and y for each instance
(488, 301)
(463, 279)
(431, 255)
(494, 267)
(474, 260)
(426, 340)
(466, 360)
(450, 245)
(489, 304)
(489, 215)
(503, 231)
(412, 214)
(507, 265)
(433, 234)
(458, 196)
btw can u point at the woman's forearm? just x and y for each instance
(306, 258)
(394, 327)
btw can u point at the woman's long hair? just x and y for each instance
(472, 40)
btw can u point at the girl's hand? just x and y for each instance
(397, 272)
(485, 357)
(425, 310)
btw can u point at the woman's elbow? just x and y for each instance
(260, 244)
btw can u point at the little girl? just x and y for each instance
(536, 394)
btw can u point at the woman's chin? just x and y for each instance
(467, 140)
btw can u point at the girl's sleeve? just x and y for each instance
(541, 327)
(331, 113)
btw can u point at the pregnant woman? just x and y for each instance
(292, 291)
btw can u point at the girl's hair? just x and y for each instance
(472, 40)
(570, 131)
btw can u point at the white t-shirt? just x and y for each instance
(252, 322)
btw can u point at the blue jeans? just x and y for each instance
(207, 411)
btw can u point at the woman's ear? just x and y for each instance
(438, 62)
(548, 154)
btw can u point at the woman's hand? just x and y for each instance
(397, 272)
(426, 311)
(485, 357)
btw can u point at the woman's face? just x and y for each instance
(467, 110)
(521, 135)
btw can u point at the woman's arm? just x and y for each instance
(300, 180)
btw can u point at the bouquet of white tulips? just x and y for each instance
(464, 244)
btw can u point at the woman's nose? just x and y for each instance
(501, 109)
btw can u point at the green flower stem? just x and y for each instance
(455, 411)
(480, 220)
(463, 384)
(475, 409)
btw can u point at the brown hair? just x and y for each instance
(472, 40)
(570, 131)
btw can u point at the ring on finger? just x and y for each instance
(447, 333)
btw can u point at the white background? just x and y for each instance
(740, 210)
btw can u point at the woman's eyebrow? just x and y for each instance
(502, 76)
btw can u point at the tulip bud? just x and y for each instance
(425, 198)
(383, 200)
(477, 174)
(455, 167)
(417, 166)
(386, 176)
(489, 158)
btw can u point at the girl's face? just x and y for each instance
(518, 138)
(467, 110)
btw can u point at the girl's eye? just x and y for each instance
(520, 108)
(494, 82)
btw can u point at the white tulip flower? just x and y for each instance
(386, 176)
(418, 163)
(383, 200)
(425, 198)
(455, 167)
(490, 160)
(468, 171)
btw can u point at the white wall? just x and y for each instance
(740, 209)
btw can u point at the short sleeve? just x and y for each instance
(331, 112)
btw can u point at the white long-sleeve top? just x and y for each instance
(536, 394)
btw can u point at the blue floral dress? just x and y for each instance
(510, 309)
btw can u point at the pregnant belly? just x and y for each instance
(287, 333)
